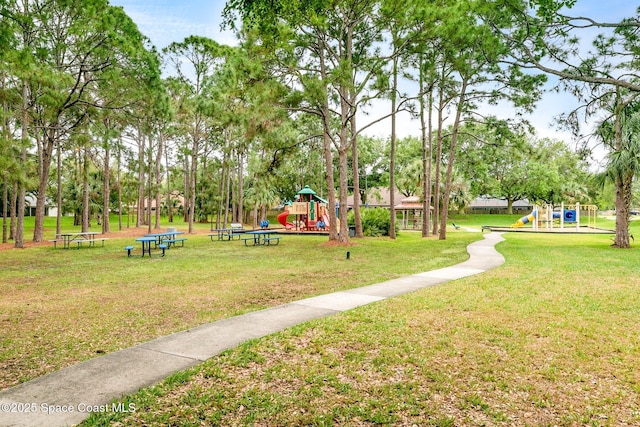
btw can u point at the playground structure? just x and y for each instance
(310, 212)
(568, 218)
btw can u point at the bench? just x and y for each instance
(128, 249)
(236, 230)
(91, 242)
(227, 234)
(486, 227)
(218, 233)
(163, 247)
(55, 242)
(457, 227)
(268, 240)
(222, 236)
(174, 241)
(246, 239)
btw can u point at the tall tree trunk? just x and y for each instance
(5, 209)
(185, 184)
(169, 201)
(21, 191)
(328, 164)
(85, 190)
(227, 192)
(5, 176)
(451, 160)
(158, 174)
(106, 185)
(220, 216)
(392, 151)
(13, 222)
(59, 187)
(343, 165)
(232, 192)
(141, 201)
(343, 176)
(44, 166)
(438, 159)
(352, 102)
(427, 165)
(623, 184)
(326, 144)
(356, 179)
(149, 184)
(240, 184)
(193, 175)
(203, 182)
(624, 195)
(119, 184)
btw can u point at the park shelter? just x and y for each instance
(412, 210)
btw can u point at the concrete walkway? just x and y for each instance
(67, 396)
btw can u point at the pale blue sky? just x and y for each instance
(167, 21)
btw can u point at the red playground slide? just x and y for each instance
(282, 219)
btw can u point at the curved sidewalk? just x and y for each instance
(67, 396)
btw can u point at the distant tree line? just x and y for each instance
(97, 120)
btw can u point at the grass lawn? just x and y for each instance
(549, 338)
(58, 307)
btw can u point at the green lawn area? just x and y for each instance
(58, 307)
(549, 338)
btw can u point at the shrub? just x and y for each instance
(375, 221)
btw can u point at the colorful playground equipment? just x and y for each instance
(526, 219)
(310, 212)
(546, 216)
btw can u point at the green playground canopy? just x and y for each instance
(307, 191)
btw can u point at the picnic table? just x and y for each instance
(261, 238)
(146, 244)
(168, 237)
(228, 233)
(225, 233)
(80, 238)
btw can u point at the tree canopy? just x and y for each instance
(106, 123)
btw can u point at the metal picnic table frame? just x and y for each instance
(169, 235)
(261, 237)
(146, 244)
(79, 237)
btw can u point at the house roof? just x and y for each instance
(494, 202)
(411, 202)
(378, 197)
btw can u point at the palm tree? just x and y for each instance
(460, 195)
(261, 195)
(621, 133)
